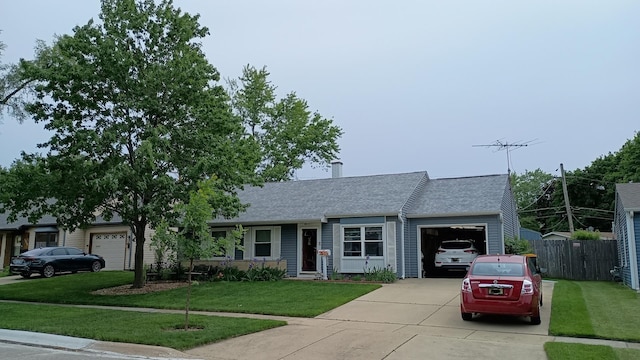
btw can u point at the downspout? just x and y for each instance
(402, 276)
(633, 259)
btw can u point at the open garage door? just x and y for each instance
(432, 237)
(112, 247)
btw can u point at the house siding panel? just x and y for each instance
(494, 236)
(620, 229)
(510, 214)
(289, 247)
(636, 230)
(328, 242)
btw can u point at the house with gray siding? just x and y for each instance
(391, 221)
(627, 230)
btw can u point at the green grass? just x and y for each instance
(595, 309)
(570, 351)
(569, 315)
(286, 298)
(126, 326)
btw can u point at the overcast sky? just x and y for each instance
(413, 84)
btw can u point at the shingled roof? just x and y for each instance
(378, 195)
(316, 200)
(461, 196)
(629, 195)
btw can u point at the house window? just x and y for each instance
(46, 239)
(219, 253)
(262, 243)
(363, 241)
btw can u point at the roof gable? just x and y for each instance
(629, 195)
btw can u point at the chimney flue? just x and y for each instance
(336, 169)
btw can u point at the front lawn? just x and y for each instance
(570, 351)
(286, 297)
(128, 326)
(595, 309)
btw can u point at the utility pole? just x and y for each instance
(566, 199)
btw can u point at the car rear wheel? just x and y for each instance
(26, 274)
(535, 320)
(95, 266)
(466, 316)
(48, 271)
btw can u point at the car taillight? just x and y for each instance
(527, 287)
(471, 251)
(466, 286)
(440, 251)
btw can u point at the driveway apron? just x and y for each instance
(410, 319)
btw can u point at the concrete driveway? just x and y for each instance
(410, 319)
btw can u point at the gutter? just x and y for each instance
(403, 275)
(481, 213)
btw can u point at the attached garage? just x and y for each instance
(431, 237)
(113, 248)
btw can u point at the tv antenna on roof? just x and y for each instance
(505, 145)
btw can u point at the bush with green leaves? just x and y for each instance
(585, 235)
(381, 274)
(517, 246)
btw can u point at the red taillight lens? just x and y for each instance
(527, 288)
(440, 251)
(466, 286)
(471, 251)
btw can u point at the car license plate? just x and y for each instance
(496, 291)
(455, 260)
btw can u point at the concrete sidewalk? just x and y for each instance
(410, 319)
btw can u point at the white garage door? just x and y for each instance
(112, 247)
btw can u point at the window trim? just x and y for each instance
(363, 241)
(275, 242)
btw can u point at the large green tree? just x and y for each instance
(137, 119)
(15, 87)
(529, 190)
(591, 192)
(289, 134)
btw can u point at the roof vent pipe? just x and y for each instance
(336, 169)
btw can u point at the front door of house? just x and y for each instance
(309, 250)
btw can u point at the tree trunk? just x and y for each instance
(139, 278)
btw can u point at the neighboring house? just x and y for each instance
(565, 235)
(110, 239)
(528, 234)
(391, 221)
(627, 230)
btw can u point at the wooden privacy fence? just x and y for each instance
(576, 259)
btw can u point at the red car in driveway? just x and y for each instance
(504, 285)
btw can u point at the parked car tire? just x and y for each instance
(466, 316)
(535, 320)
(540, 299)
(96, 266)
(26, 274)
(48, 271)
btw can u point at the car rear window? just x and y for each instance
(456, 245)
(497, 269)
